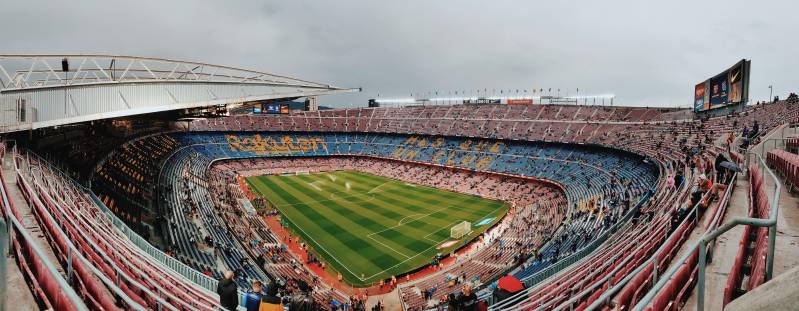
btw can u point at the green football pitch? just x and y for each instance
(370, 227)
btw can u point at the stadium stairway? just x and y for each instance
(15, 283)
(16, 287)
(725, 250)
(786, 253)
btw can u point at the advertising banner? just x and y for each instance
(481, 101)
(730, 87)
(718, 90)
(699, 96)
(273, 108)
(735, 79)
(526, 101)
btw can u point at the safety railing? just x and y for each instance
(4, 230)
(777, 138)
(168, 261)
(16, 236)
(73, 254)
(702, 245)
(555, 268)
(653, 259)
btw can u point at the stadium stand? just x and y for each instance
(644, 176)
(499, 156)
(80, 230)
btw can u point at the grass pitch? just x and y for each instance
(369, 227)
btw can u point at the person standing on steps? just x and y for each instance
(228, 292)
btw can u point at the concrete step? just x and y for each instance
(781, 293)
(28, 218)
(17, 293)
(724, 251)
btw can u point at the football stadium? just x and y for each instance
(153, 183)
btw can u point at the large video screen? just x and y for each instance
(272, 108)
(275, 108)
(729, 87)
(702, 96)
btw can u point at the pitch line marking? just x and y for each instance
(427, 237)
(389, 247)
(313, 184)
(378, 186)
(415, 219)
(414, 256)
(406, 217)
(345, 266)
(324, 249)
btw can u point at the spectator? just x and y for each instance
(468, 300)
(675, 221)
(755, 130)
(452, 303)
(228, 292)
(270, 301)
(302, 300)
(253, 299)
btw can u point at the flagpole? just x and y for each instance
(770, 92)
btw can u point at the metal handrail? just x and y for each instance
(123, 260)
(568, 261)
(701, 245)
(74, 251)
(169, 262)
(653, 259)
(14, 223)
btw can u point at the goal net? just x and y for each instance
(461, 229)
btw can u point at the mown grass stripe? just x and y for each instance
(353, 226)
(464, 204)
(312, 222)
(342, 225)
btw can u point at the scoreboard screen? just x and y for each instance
(729, 87)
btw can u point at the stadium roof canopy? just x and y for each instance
(39, 91)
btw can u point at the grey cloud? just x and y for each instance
(648, 53)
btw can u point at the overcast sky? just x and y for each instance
(647, 53)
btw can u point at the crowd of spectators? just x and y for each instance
(685, 150)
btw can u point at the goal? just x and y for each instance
(460, 230)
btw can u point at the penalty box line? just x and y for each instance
(427, 237)
(371, 235)
(414, 256)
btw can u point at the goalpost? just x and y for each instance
(460, 230)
